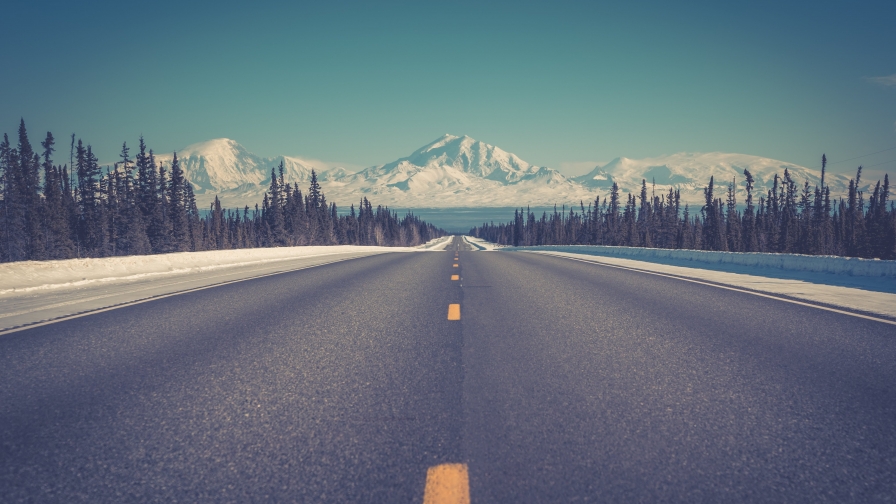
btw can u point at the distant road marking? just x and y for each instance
(727, 287)
(455, 265)
(454, 312)
(455, 277)
(447, 484)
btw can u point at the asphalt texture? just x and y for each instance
(562, 382)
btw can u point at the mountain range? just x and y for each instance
(459, 171)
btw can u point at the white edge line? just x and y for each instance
(726, 287)
(4, 332)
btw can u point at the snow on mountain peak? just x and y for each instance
(690, 172)
(458, 171)
(222, 164)
(472, 156)
(220, 150)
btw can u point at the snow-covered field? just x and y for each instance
(34, 291)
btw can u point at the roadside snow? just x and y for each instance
(438, 243)
(865, 285)
(836, 265)
(863, 300)
(480, 244)
(25, 276)
(35, 291)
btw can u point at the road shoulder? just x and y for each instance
(852, 299)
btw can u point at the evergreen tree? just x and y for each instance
(56, 218)
(732, 221)
(750, 240)
(177, 212)
(275, 206)
(91, 232)
(15, 241)
(28, 188)
(156, 205)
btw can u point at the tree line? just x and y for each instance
(789, 218)
(136, 207)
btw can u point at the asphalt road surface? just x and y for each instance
(562, 382)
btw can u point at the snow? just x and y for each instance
(880, 303)
(459, 171)
(438, 243)
(223, 166)
(33, 291)
(28, 276)
(865, 285)
(835, 265)
(451, 171)
(480, 244)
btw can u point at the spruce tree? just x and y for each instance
(28, 190)
(57, 222)
(177, 214)
(274, 212)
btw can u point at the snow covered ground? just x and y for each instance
(743, 261)
(855, 284)
(480, 244)
(35, 291)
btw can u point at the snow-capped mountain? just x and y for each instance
(459, 171)
(690, 172)
(222, 166)
(470, 156)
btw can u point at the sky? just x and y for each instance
(562, 84)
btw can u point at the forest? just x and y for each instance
(789, 218)
(80, 209)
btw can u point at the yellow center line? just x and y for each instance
(455, 265)
(455, 277)
(454, 312)
(447, 484)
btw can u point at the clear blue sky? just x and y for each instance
(364, 83)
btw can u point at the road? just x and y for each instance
(561, 382)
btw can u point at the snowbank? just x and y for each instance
(480, 244)
(857, 299)
(25, 276)
(792, 262)
(437, 243)
(867, 285)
